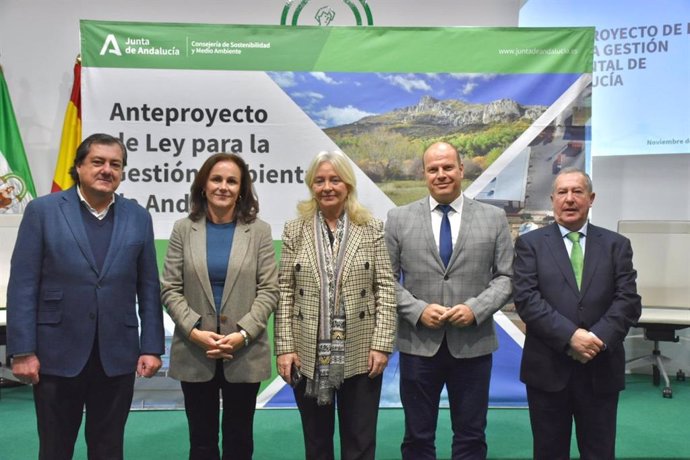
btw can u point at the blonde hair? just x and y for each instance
(357, 213)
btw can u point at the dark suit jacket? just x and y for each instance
(58, 302)
(549, 302)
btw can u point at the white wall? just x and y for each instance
(39, 41)
(645, 187)
(641, 187)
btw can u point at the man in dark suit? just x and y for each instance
(83, 260)
(574, 287)
(450, 283)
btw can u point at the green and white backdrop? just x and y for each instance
(517, 102)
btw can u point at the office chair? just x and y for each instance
(660, 332)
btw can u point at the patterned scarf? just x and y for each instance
(330, 360)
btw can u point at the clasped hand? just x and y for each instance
(435, 316)
(217, 346)
(584, 346)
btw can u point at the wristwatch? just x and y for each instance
(246, 337)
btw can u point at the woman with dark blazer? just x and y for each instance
(220, 287)
(336, 321)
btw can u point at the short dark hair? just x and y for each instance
(85, 147)
(247, 205)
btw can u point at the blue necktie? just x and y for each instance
(446, 239)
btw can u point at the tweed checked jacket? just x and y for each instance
(478, 275)
(367, 288)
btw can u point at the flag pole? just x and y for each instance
(71, 134)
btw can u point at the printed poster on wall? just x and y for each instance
(640, 70)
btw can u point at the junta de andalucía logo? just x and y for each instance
(341, 12)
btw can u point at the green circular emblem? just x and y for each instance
(325, 15)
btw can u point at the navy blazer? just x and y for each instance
(58, 302)
(552, 307)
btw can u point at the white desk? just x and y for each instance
(675, 315)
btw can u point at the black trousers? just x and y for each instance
(552, 415)
(60, 402)
(357, 402)
(202, 406)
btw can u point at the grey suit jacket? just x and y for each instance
(478, 275)
(249, 297)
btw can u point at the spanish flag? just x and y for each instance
(71, 135)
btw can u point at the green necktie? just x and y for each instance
(576, 257)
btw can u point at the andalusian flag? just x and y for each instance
(71, 135)
(16, 183)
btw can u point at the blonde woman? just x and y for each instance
(336, 319)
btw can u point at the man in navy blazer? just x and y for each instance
(573, 362)
(83, 260)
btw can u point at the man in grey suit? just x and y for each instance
(83, 266)
(452, 258)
